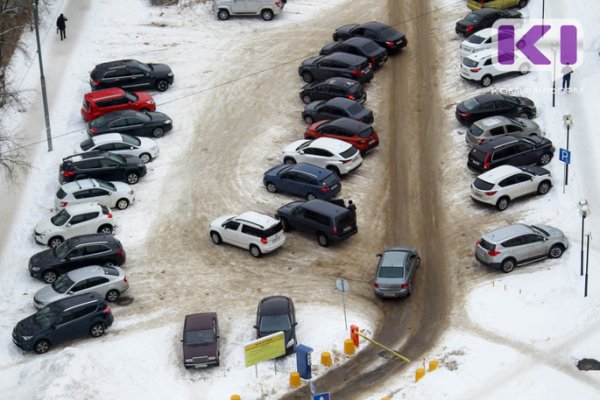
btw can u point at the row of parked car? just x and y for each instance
(506, 147)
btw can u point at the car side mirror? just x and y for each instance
(255, 327)
(378, 255)
(301, 152)
(131, 148)
(295, 323)
(70, 292)
(181, 340)
(218, 336)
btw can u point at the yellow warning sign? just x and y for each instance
(265, 348)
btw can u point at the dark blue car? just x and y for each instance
(305, 180)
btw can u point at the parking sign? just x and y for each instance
(322, 396)
(565, 156)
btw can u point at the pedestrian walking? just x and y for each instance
(566, 82)
(352, 208)
(62, 26)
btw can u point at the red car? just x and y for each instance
(358, 134)
(98, 103)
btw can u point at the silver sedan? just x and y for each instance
(395, 272)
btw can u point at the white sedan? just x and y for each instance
(333, 154)
(110, 194)
(144, 148)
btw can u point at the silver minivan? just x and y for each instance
(267, 9)
(519, 244)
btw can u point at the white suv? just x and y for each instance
(484, 66)
(256, 232)
(478, 41)
(333, 154)
(144, 148)
(505, 183)
(79, 219)
(110, 194)
(267, 9)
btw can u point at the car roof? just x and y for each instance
(492, 122)
(497, 142)
(487, 97)
(395, 257)
(93, 238)
(105, 94)
(116, 64)
(333, 145)
(199, 321)
(341, 102)
(274, 305)
(346, 57)
(501, 234)
(343, 82)
(322, 206)
(86, 156)
(499, 173)
(485, 11)
(374, 25)
(79, 184)
(77, 300)
(311, 169)
(261, 220)
(486, 32)
(358, 41)
(120, 113)
(82, 208)
(107, 138)
(349, 124)
(80, 274)
(483, 54)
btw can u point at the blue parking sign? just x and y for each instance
(564, 156)
(322, 396)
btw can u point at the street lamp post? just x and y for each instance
(587, 259)
(584, 211)
(42, 78)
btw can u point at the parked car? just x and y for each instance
(332, 154)
(481, 40)
(77, 252)
(503, 184)
(358, 134)
(75, 220)
(337, 107)
(201, 344)
(484, 66)
(483, 18)
(63, 320)
(519, 244)
(98, 103)
(359, 46)
(131, 122)
(324, 220)
(344, 65)
(395, 272)
(511, 150)
(101, 165)
(252, 231)
(477, 4)
(303, 180)
(277, 314)
(384, 35)
(333, 87)
(131, 74)
(144, 148)
(490, 104)
(108, 282)
(492, 127)
(267, 9)
(117, 195)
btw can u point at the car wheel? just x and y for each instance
(158, 132)
(97, 329)
(112, 295)
(310, 196)
(525, 115)
(289, 161)
(322, 239)
(502, 203)
(307, 77)
(545, 159)
(132, 178)
(255, 251)
(55, 241)
(334, 170)
(544, 187)
(267, 15)
(145, 157)
(486, 81)
(105, 229)
(42, 346)
(286, 225)
(122, 204)
(49, 276)
(524, 69)
(223, 15)
(216, 238)
(308, 119)
(306, 99)
(271, 188)
(507, 265)
(522, 3)
(556, 251)
(162, 85)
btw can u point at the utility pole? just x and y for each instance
(42, 78)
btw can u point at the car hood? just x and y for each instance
(291, 148)
(161, 69)
(217, 222)
(525, 101)
(157, 117)
(28, 326)
(47, 295)
(554, 233)
(199, 350)
(275, 170)
(132, 160)
(287, 208)
(286, 334)
(313, 106)
(328, 48)
(121, 187)
(143, 97)
(513, 13)
(311, 60)
(346, 28)
(46, 225)
(147, 143)
(530, 125)
(43, 258)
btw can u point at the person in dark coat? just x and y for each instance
(62, 26)
(566, 82)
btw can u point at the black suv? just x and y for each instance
(384, 35)
(79, 251)
(102, 165)
(359, 46)
(510, 150)
(76, 316)
(490, 104)
(333, 87)
(131, 74)
(337, 64)
(327, 221)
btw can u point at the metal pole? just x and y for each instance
(543, 10)
(582, 226)
(42, 78)
(554, 79)
(344, 301)
(567, 164)
(587, 259)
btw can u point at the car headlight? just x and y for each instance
(290, 343)
(170, 74)
(35, 268)
(168, 121)
(47, 231)
(150, 102)
(213, 358)
(26, 337)
(189, 360)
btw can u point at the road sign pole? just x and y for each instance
(343, 286)
(567, 165)
(344, 301)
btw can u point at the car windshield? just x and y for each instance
(540, 230)
(62, 284)
(475, 39)
(355, 109)
(330, 179)
(391, 272)
(370, 47)
(199, 337)
(117, 158)
(106, 185)
(475, 130)
(144, 116)
(60, 218)
(130, 96)
(471, 104)
(275, 229)
(61, 193)
(100, 121)
(131, 140)
(487, 245)
(86, 144)
(388, 31)
(143, 67)
(275, 323)
(349, 153)
(473, 18)
(512, 99)
(482, 185)
(61, 250)
(46, 316)
(304, 145)
(366, 133)
(469, 62)
(516, 122)
(284, 170)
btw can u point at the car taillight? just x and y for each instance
(346, 161)
(404, 286)
(480, 140)
(278, 4)
(263, 240)
(106, 310)
(96, 83)
(376, 285)
(93, 130)
(325, 189)
(486, 165)
(390, 44)
(470, 28)
(373, 60)
(119, 252)
(125, 279)
(357, 73)
(477, 242)
(68, 173)
(109, 215)
(464, 114)
(493, 253)
(475, 69)
(334, 230)
(490, 193)
(64, 203)
(351, 97)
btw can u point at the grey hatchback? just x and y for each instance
(395, 272)
(492, 127)
(519, 244)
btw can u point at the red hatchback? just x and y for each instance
(98, 103)
(358, 134)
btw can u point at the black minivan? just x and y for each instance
(76, 316)
(327, 221)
